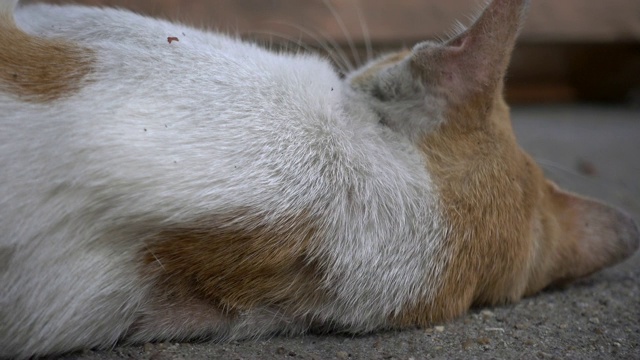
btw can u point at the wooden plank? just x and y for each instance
(389, 21)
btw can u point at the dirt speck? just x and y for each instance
(586, 167)
(467, 344)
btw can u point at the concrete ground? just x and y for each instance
(589, 149)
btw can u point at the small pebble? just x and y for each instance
(594, 320)
(439, 328)
(467, 344)
(342, 355)
(483, 340)
(487, 314)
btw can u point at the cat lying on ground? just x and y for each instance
(160, 182)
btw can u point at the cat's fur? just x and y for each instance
(206, 187)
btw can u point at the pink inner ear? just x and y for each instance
(470, 67)
(464, 70)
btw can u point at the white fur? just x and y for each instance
(162, 134)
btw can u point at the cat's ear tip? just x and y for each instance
(476, 58)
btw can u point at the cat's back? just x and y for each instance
(118, 80)
(139, 57)
(106, 106)
(155, 117)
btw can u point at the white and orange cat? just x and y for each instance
(153, 189)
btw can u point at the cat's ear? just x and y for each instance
(473, 62)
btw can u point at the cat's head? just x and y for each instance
(511, 232)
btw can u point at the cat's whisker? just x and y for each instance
(344, 31)
(366, 36)
(552, 165)
(331, 47)
(570, 173)
(286, 38)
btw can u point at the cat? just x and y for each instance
(161, 182)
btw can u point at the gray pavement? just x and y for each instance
(588, 149)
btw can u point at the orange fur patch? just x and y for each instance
(489, 189)
(239, 261)
(40, 70)
(511, 232)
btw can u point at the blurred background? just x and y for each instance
(569, 50)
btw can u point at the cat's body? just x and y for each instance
(275, 115)
(158, 188)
